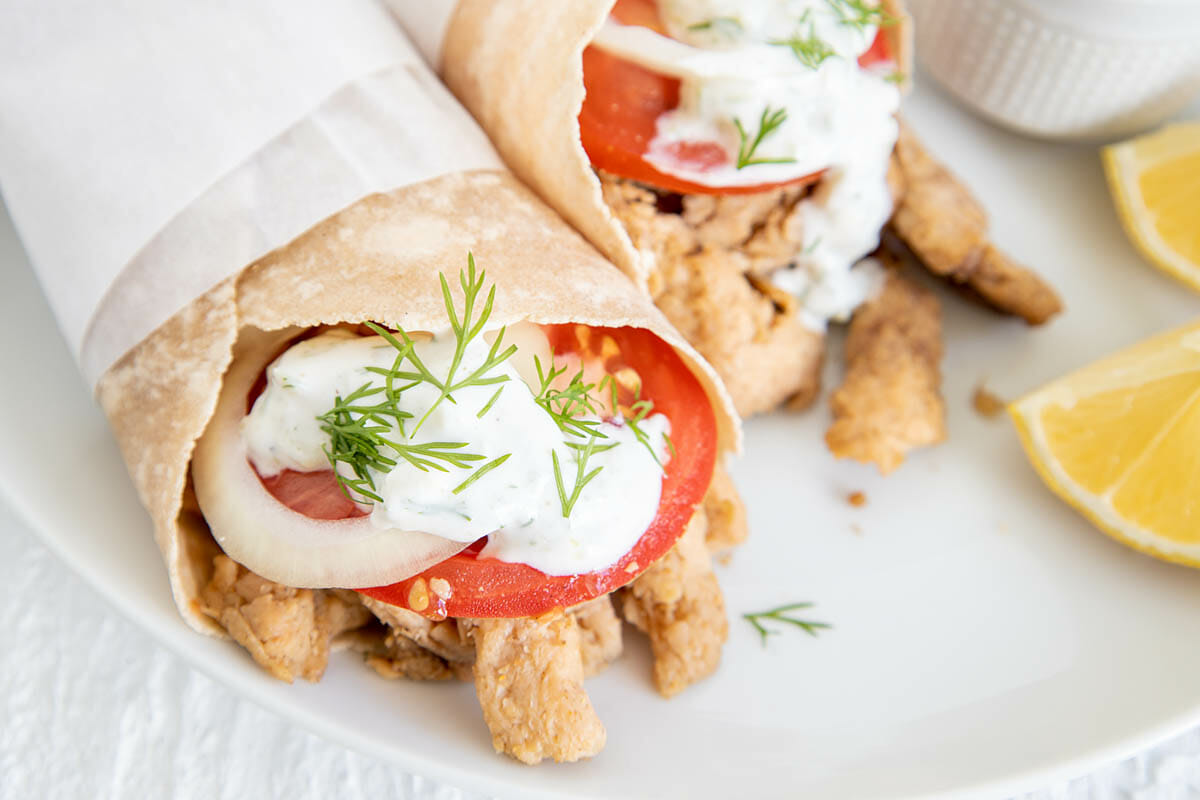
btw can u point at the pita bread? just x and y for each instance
(376, 260)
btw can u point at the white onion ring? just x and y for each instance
(262, 534)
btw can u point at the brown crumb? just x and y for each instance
(856, 529)
(856, 499)
(985, 403)
(725, 559)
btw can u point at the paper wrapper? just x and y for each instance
(344, 214)
(149, 152)
(517, 65)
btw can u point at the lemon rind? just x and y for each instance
(1024, 413)
(1121, 162)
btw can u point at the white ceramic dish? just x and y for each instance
(1064, 68)
(987, 640)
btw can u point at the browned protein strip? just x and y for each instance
(529, 677)
(394, 656)
(725, 512)
(710, 258)
(413, 647)
(890, 401)
(599, 634)
(443, 637)
(678, 604)
(947, 229)
(287, 631)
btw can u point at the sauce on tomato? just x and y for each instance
(625, 102)
(484, 585)
(480, 587)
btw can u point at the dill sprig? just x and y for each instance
(637, 413)
(610, 382)
(488, 405)
(479, 473)
(358, 432)
(727, 24)
(780, 614)
(862, 13)
(810, 50)
(356, 439)
(897, 77)
(566, 405)
(582, 476)
(465, 331)
(634, 415)
(768, 123)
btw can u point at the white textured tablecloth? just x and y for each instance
(92, 707)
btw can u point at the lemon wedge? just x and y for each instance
(1120, 441)
(1155, 183)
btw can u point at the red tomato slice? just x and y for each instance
(879, 51)
(491, 588)
(313, 494)
(617, 122)
(623, 101)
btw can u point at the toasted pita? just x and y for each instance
(376, 260)
(517, 65)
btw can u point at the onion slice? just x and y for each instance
(259, 532)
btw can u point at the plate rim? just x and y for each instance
(173, 638)
(173, 634)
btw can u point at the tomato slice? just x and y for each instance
(313, 494)
(879, 51)
(490, 588)
(623, 101)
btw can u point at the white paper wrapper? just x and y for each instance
(150, 150)
(425, 21)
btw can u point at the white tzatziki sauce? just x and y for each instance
(734, 64)
(516, 504)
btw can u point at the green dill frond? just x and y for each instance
(730, 26)
(582, 476)
(355, 432)
(487, 406)
(479, 473)
(566, 405)
(637, 414)
(780, 614)
(358, 431)
(861, 14)
(810, 50)
(768, 123)
(466, 329)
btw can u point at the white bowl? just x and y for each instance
(1064, 68)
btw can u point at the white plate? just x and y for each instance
(987, 640)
